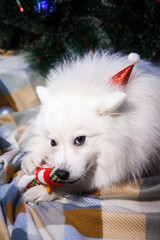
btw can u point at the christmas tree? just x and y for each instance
(51, 30)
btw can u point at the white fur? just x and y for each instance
(122, 126)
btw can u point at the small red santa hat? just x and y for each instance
(121, 78)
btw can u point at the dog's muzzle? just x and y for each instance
(74, 181)
(63, 175)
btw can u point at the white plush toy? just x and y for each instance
(43, 175)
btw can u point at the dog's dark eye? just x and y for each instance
(53, 143)
(79, 140)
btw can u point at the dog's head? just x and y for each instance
(74, 128)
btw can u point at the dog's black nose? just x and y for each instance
(62, 174)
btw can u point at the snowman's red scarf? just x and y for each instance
(49, 176)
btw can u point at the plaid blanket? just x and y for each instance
(127, 211)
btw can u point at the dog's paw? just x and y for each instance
(39, 194)
(31, 162)
(28, 164)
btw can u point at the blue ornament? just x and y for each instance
(45, 8)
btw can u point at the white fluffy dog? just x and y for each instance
(95, 132)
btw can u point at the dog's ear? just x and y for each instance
(42, 93)
(114, 101)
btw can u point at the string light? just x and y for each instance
(20, 6)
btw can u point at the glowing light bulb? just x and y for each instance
(21, 9)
